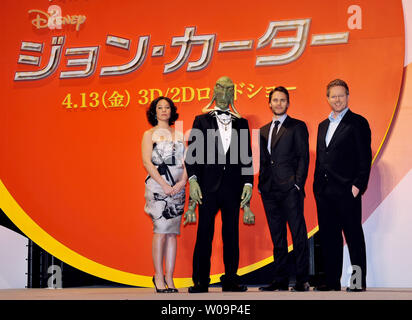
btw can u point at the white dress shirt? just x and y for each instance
(333, 125)
(281, 119)
(224, 123)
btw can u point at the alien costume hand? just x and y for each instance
(190, 214)
(248, 216)
(246, 195)
(195, 192)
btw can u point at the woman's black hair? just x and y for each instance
(151, 111)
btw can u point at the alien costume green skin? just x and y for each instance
(223, 96)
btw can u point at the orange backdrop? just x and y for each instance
(71, 170)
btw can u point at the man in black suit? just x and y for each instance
(284, 161)
(343, 163)
(219, 167)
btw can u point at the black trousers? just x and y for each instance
(337, 213)
(282, 208)
(227, 200)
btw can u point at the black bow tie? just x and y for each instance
(222, 112)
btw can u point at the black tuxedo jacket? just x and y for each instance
(206, 159)
(288, 162)
(346, 161)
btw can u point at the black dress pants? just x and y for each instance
(227, 200)
(337, 213)
(282, 208)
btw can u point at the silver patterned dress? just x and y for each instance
(166, 211)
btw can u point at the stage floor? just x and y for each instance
(215, 293)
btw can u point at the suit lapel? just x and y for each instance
(281, 131)
(264, 132)
(323, 129)
(235, 127)
(264, 137)
(340, 129)
(212, 122)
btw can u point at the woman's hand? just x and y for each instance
(168, 190)
(178, 187)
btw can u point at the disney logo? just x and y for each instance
(53, 18)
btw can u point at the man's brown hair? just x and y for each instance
(336, 83)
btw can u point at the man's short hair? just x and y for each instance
(280, 89)
(337, 83)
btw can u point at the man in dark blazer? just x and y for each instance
(219, 167)
(343, 163)
(284, 161)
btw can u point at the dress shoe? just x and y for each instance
(301, 286)
(197, 288)
(325, 287)
(349, 289)
(171, 290)
(234, 287)
(230, 283)
(159, 290)
(275, 286)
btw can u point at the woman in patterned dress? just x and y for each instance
(163, 157)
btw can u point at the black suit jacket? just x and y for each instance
(205, 157)
(346, 161)
(288, 162)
